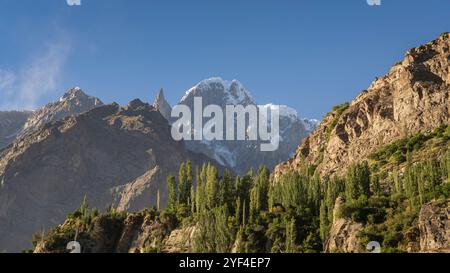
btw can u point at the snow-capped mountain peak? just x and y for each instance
(77, 94)
(232, 92)
(73, 102)
(284, 110)
(244, 155)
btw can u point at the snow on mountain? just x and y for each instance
(244, 155)
(310, 124)
(230, 92)
(73, 102)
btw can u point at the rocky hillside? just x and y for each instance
(121, 155)
(432, 233)
(241, 156)
(413, 97)
(111, 154)
(151, 231)
(434, 224)
(11, 124)
(343, 233)
(142, 232)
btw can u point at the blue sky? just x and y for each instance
(308, 54)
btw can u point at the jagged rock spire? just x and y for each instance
(161, 104)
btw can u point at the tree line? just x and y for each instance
(253, 213)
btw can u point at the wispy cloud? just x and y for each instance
(23, 88)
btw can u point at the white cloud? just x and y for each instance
(7, 79)
(22, 89)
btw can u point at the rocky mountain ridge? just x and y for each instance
(241, 156)
(413, 97)
(73, 102)
(111, 154)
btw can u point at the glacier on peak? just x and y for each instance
(244, 155)
(234, 91)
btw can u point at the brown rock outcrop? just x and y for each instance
(434, 225)
(412, 97)
(343, 235)
(111, 154)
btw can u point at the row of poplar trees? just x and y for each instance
(227, 208)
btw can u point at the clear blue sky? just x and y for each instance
(309, 54)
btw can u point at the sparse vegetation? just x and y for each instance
(254, 214)
(337, 112)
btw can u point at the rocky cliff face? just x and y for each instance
(241, 156)
(111, 154)
(11, 124)
(434, 225)
(141, 232)
(412, 97)
(343, 235)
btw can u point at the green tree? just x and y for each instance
(172, 200)
(189, 179)
(324, 221)
(182, 185)
(212, 189)
(291, 236)
(357, 181)
(158, 200)
(200, 198)
(226, 194)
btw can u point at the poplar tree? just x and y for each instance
(200, 190)
(291, 235)
(357, 181)
(172, 193)
(226, 194)
(192, 202)
(211, 186)
(158, 200)
(182, 185)
(324, 222)
(189, 179)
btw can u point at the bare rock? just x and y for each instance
(413, 97)
(343, 236)
(434, 224)
(111, 154)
